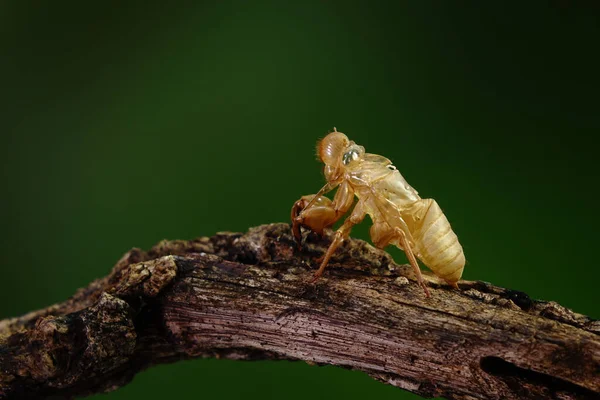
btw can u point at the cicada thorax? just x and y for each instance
(435, 243)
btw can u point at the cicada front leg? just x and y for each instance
(317, 212)
(320, 215)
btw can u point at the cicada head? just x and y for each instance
(331, 147)
(336, 151)
(330, 150)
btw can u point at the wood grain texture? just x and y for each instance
(248, 297)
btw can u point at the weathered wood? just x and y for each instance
(248, 297)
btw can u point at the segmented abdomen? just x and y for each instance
(436, 244)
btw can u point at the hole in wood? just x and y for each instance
(513, 375)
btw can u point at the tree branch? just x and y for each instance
(248, 297)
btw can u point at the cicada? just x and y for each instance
(400, 217)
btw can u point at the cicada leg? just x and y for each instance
(358, 214)
(382, 235)
(403, 241)
(319, 216)
(318, 212)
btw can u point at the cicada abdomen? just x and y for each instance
(435, 243)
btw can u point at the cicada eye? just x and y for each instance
(350, 156)
(353, 153)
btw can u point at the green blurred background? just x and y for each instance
(122, 125)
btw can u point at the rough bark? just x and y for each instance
(248, 297)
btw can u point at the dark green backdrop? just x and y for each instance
(123, 125)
